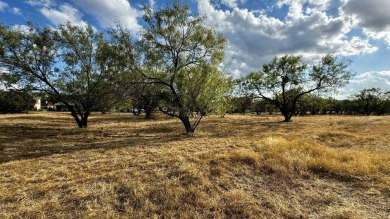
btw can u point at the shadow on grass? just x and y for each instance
(28, 140)
(125, 117)
(251, 125)
(39, 135)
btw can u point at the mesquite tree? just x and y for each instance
(181, 54)
(70, 64)
(284, 80)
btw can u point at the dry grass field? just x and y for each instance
(239, 166)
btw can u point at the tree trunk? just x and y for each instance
(81, 122)
(287, 116)
(84, 120)
(148, 113)
(187, 124)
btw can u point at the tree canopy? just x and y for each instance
(175, 63)
(371, 100)
(73, 64)
(182, 55)
(15, 101)
(284, 80)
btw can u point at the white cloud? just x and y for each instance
(319, 4)
(21, 28)
(3, 5)
(13, 10)
(109, 12)
(298, 7)
(152, 3)
(230, 3)
(366, 80)
(254, 39)
(41, 3)
(372, 16)
(65, 13)
(16, 11)
(380, 79)
(357, 46)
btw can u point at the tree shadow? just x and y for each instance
(250, 126)
(27, 141)
(42, 135)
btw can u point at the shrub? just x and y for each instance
(13, 101)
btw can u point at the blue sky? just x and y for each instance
(256, 30)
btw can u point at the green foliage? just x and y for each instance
(284, 80)
(372, 100)
(14, 101)
(241, 104)
(28, 56)
(146, 96)
(330, 73)
(72, 64)
(202, 89)
(181, 55)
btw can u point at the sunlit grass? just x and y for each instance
(234, 167)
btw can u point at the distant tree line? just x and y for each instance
(366, 102)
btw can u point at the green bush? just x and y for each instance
(13, 101)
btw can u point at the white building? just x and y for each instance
(37, 104)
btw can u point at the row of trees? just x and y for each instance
(174, 66)
(366, 102)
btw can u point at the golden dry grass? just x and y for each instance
(234, 167)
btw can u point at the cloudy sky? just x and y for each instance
(257, 30)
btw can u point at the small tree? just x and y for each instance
(259, 106)
(285, 80)
(350, 107)
(241, 104)
(181, 55)
(311, 103)
(145, 96)
(370, 100)
(199, 92)
(384, 109)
